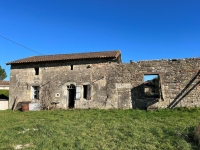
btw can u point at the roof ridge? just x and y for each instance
(3, 82)
(77, 53)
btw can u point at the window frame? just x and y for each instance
(154, 94)
(35, 92)
(87, 92)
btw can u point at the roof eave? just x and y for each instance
(12, 63)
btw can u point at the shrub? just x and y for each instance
(197, 133)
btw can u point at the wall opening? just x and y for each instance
(151, 85)
(71, 95)
(35, 92)
(37, 71)
(85, 91)
(72, 67)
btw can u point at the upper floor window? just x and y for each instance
(72, 67)
(37, 71)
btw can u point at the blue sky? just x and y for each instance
(141, 29)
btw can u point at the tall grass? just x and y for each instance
(99, 129)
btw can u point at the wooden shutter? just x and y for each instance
(88, 92)
(78, 92)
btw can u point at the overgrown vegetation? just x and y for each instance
(154, 88)
(4, 92)
(197, 133)
(100, 129)
(2, 73)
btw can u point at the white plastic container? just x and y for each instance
(34, 106)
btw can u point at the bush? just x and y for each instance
(4, 92)
(197, 133)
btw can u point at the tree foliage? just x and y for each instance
(2, 73)
(155, 85)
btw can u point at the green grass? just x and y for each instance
(100, 129)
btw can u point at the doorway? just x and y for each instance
(71, 95)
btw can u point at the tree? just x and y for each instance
(155, 85)
(2, 73)
(154, 88)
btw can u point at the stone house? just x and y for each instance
(4, 85)
(101, 80)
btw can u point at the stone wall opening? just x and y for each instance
(72, 67)
(71, 95)
(37, 71)
(151, 85)
(35, 92)
(86, 92)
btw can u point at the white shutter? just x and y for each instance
(78, 92)
(32, 93)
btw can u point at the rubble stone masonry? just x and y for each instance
(113, 85)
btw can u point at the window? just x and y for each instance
(87, 92)
(35, 92)
(152, 86)
(37, 71)
(72, 67)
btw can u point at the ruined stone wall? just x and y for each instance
(179, 83)
(113, 85)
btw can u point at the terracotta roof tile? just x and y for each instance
(75, 56)
(2, 82)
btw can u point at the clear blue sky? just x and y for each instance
(141, 29)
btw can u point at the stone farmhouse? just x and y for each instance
(4, 85)
(101, 80)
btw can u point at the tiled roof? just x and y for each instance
(4, 82)
(75, 56)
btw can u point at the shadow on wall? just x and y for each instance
(140, 101)
(2, 96)
(188, 88)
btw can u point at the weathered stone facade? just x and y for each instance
(179, 83)
(105, 83)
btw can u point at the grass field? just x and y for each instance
(99, 129)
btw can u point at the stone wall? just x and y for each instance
(113, 85)
(54, 78)
(179, 83)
